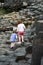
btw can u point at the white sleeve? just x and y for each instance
(24, 27)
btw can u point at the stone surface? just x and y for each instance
(7, 22)
(20, 51)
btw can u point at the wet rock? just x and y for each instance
(20, 52)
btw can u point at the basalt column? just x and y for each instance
(37, 51)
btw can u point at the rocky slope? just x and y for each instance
(22, 54)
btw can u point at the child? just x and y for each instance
(20, 29)
(13, 38)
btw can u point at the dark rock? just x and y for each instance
(20, 58)
(1, 63)
(29, 49)
(6, 63)
(40, 17)
(6, 54)
(3, 58)
(27, 44)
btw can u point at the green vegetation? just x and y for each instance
(3, 11)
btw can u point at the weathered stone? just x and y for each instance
(8, 21)
(29, 49)
(27, 44)
(20, 51)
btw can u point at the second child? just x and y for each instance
(21, 29)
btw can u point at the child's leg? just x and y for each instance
(19, 38)
(22, 38)
(12, 44)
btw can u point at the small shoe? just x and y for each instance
(22, 41)
(11, 49)
(19, 42)
(22, 44)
